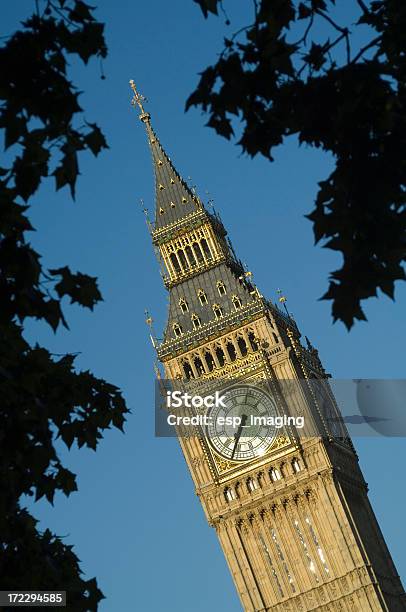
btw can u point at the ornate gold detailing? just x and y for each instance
(280, 442)
(231, 321)
(137, 100)
(197, 461)
(180, 226)
(218, 311)
(231, 368)
(223, 465)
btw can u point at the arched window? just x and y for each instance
(206, 248)
(198, 252)
(183, 260)
(187, 370)
(221, 288)
(296, 466)
(209, 360)
(177, 330)
(231, 350)
(218, 313)
(220, 356)
(242, 346)
(252, 484)
(183, 305)
(275, 474)
(236, 301)
(253, 341)
(190, 256)
(311, 565)
(202, 297)
(275, 337)
(196, 321)
(175, 263)
(229, 494)
(316, 543)
(199, 366)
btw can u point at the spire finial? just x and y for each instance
(149, 321)
(283, 299)
(146, 213)
(137, 100)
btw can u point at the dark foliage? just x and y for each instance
(43, 396)
(281, 80)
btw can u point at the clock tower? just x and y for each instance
(291, 512)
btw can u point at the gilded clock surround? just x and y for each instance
(296, 526)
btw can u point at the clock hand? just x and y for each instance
(238, 434)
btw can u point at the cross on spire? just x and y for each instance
(138, 99)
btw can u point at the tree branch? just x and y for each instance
(361, 52)
(363, 6)
(306, 32)
(344, 31)
(332, 22)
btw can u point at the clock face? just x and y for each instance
(252, 437)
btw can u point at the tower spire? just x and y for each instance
(174, 199)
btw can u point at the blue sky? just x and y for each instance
(136, 523)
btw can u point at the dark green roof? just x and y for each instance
(174, 199)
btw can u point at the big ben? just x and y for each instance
(291, 511)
